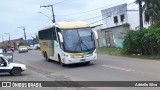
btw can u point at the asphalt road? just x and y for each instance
(106, 68)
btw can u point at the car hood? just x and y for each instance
(23, 67)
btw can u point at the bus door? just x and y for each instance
(52, 48)
(56, 44)
(52, 35)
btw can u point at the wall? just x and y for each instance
(100, 42)
(131, 17)
(109, 14)
(13, 43)
(116, 36)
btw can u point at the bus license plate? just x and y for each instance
(83, 60)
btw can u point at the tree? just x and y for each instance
(23, 43)
(35, 40)
(151, 9)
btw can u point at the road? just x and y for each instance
(106, 68)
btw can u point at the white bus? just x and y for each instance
(68, 42)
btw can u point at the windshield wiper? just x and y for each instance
(80, 41)
(84, 45)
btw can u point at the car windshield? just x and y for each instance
(78, 40)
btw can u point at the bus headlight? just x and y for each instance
(66, 55)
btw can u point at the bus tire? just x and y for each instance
(46, 57)
(88, 62)
(60, 61)
(43, 54)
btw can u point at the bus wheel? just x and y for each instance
(60, 61)
(46, 57)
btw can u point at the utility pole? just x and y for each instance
(52, 12)
(3, 41)
(24, 29)
(140, 13)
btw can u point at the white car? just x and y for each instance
(31, 47)
(12, 68)
(36, 46)
(22, 49)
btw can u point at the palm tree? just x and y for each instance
(151, 9)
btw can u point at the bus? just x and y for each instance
(68, 42)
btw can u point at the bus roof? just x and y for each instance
(68, 25)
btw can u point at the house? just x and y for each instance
(114, 36)
(98, 28)
(117, 21)
(12, 43)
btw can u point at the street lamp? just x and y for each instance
(3, 41)
(52, 12)
(45, 15)
(23, 28)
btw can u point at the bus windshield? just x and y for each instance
(78, 40)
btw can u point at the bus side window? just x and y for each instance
(43, 35)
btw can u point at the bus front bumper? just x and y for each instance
(72, 60)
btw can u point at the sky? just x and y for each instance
(18, 13)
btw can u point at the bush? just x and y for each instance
(23, 43)
(144, 42)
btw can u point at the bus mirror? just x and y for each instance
(60, 37)
(95, 34)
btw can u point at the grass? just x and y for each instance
(145, 57)
(118, 52)
(110, 51)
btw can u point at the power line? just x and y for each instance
(107, 16)
(95, 9)
(56, 4)
(59, 2)
(45, 15)
(92, 9)
(91, 18)
(98, 20)
(130, 3)
(100, 15)
(52, 12)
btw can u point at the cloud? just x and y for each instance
(16, 13)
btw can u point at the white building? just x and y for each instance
(120, 15)
(117, 21)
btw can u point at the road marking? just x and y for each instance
(118, 68)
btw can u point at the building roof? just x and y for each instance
(18, 39)
(96, 25)
(125, 25)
